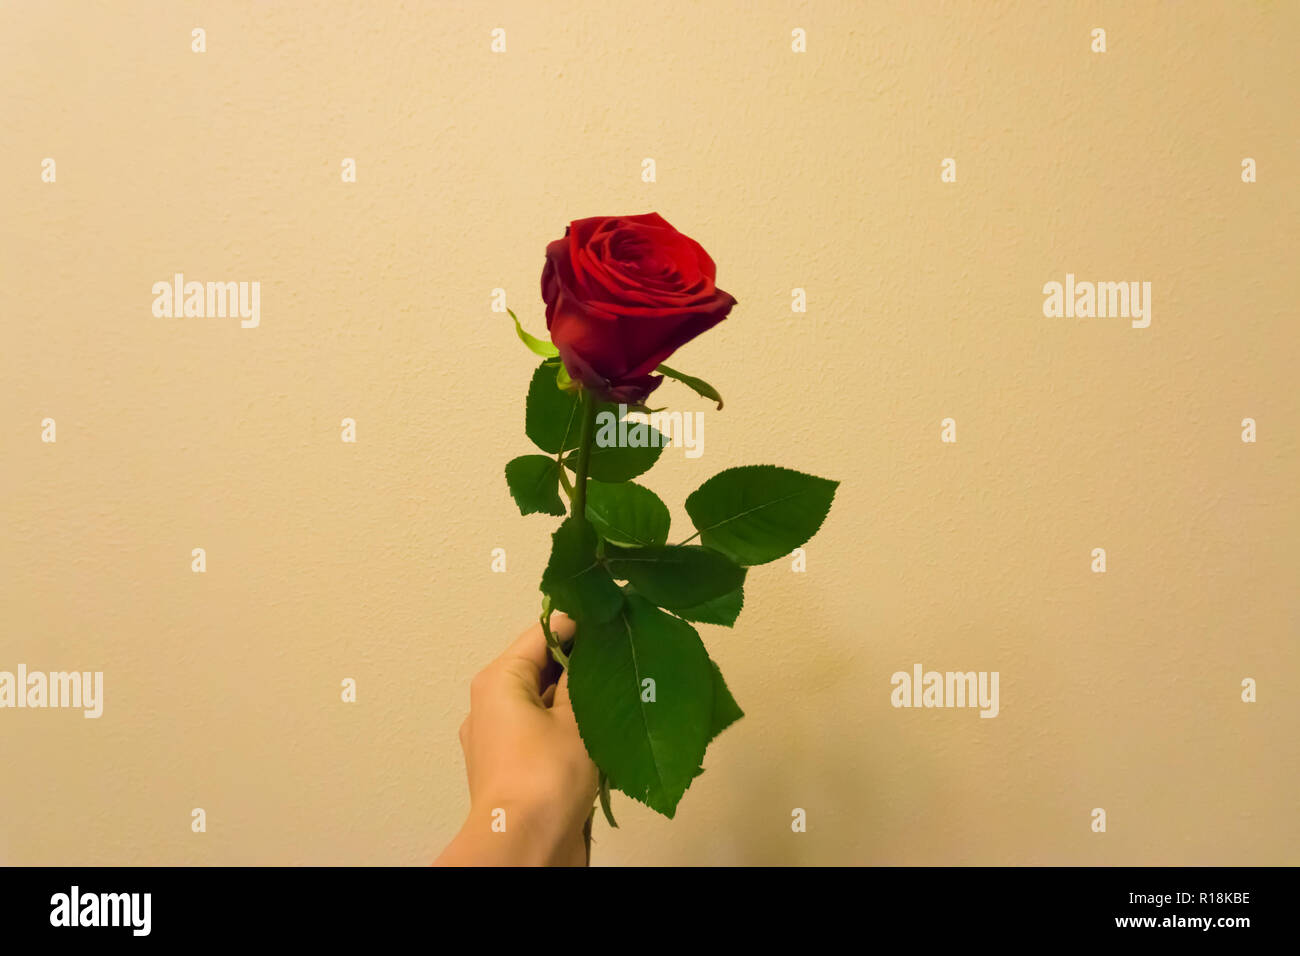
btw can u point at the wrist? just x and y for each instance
(516, 832)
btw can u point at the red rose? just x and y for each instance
(622, 294)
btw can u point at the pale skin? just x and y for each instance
(525, 762)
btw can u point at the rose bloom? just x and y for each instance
(622, 294)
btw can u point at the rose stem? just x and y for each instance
(588, 413)
(580, 510)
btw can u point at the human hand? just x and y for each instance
(531, 783)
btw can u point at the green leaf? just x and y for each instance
(678, 576)
(758, 513)
(725, 709)
(651, 750)
(552, 419)
(614, 462)
(539, 346)
(627, 514)
(701, 387)
(577, 582)
(534, 484)
(551, 416)
(603, 792)
(720, 610)
(619, 464)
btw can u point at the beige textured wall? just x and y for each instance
(818, 170)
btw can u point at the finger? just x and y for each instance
(521, 664)
(563, 626)
(548, 696)
(530, 646)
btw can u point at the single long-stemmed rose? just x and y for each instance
(622, 294)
